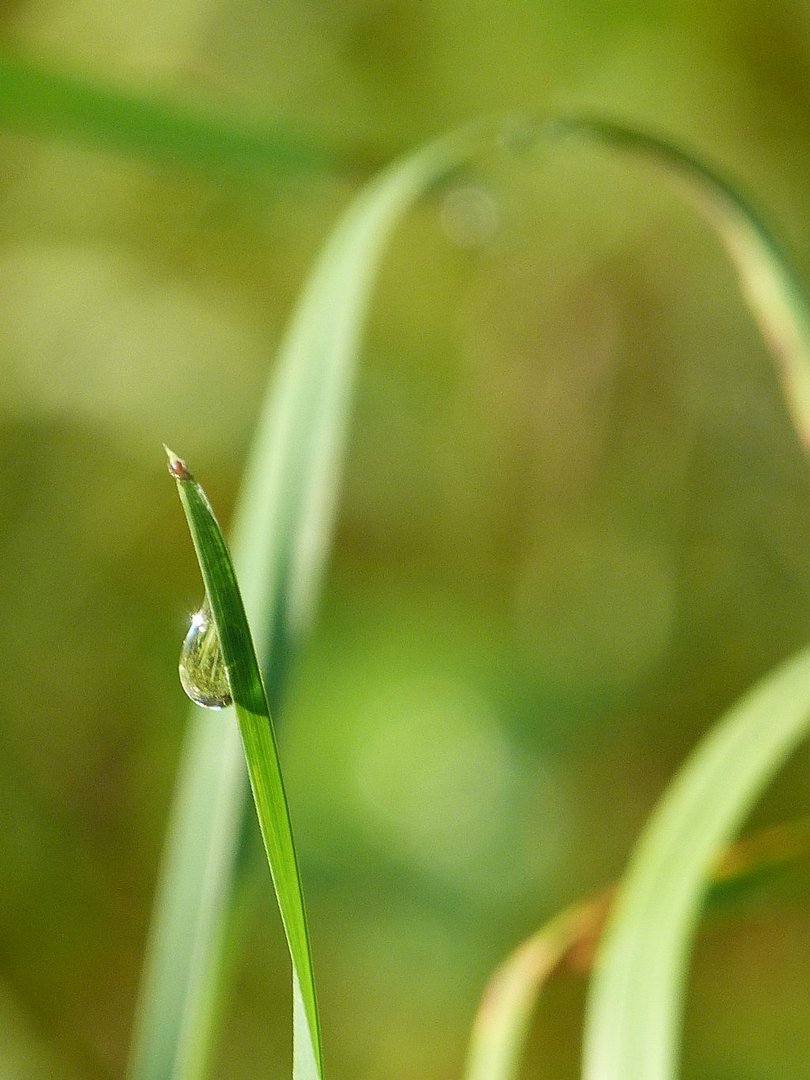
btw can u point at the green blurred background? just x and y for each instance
(574, 524)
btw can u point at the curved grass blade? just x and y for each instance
(768, 282)
(283, 525)
(282, 529)
(261, 753)
(38, 100)
(501, 1025)
(635, 1001)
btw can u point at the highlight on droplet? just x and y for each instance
(203, 674)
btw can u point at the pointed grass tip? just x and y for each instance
(177, 467)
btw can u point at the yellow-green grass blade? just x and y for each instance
(635, 1000)
(502, 1022)
(501, 1026)
(38, 100)
(767, 279)
(261, 753)
(281, 535)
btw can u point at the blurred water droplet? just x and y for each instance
(202, 667)
(470, 215)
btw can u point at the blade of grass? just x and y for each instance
(635, 1001)
(261, 754)
(282, 528)
(281, 533)
(769, 284)
(501, 1026)
(41, 101)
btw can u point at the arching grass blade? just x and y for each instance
(283, 525)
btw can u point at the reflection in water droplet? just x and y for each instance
(202, 667)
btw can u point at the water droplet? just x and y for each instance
(469, 215)
(202, 667)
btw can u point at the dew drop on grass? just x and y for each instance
(202, 667)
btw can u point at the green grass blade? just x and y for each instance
(501, 1026)
(635, 1001)
(261, 754)
(281, 534)
(768, 282)
(40, 101)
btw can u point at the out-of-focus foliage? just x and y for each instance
(574, 525)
